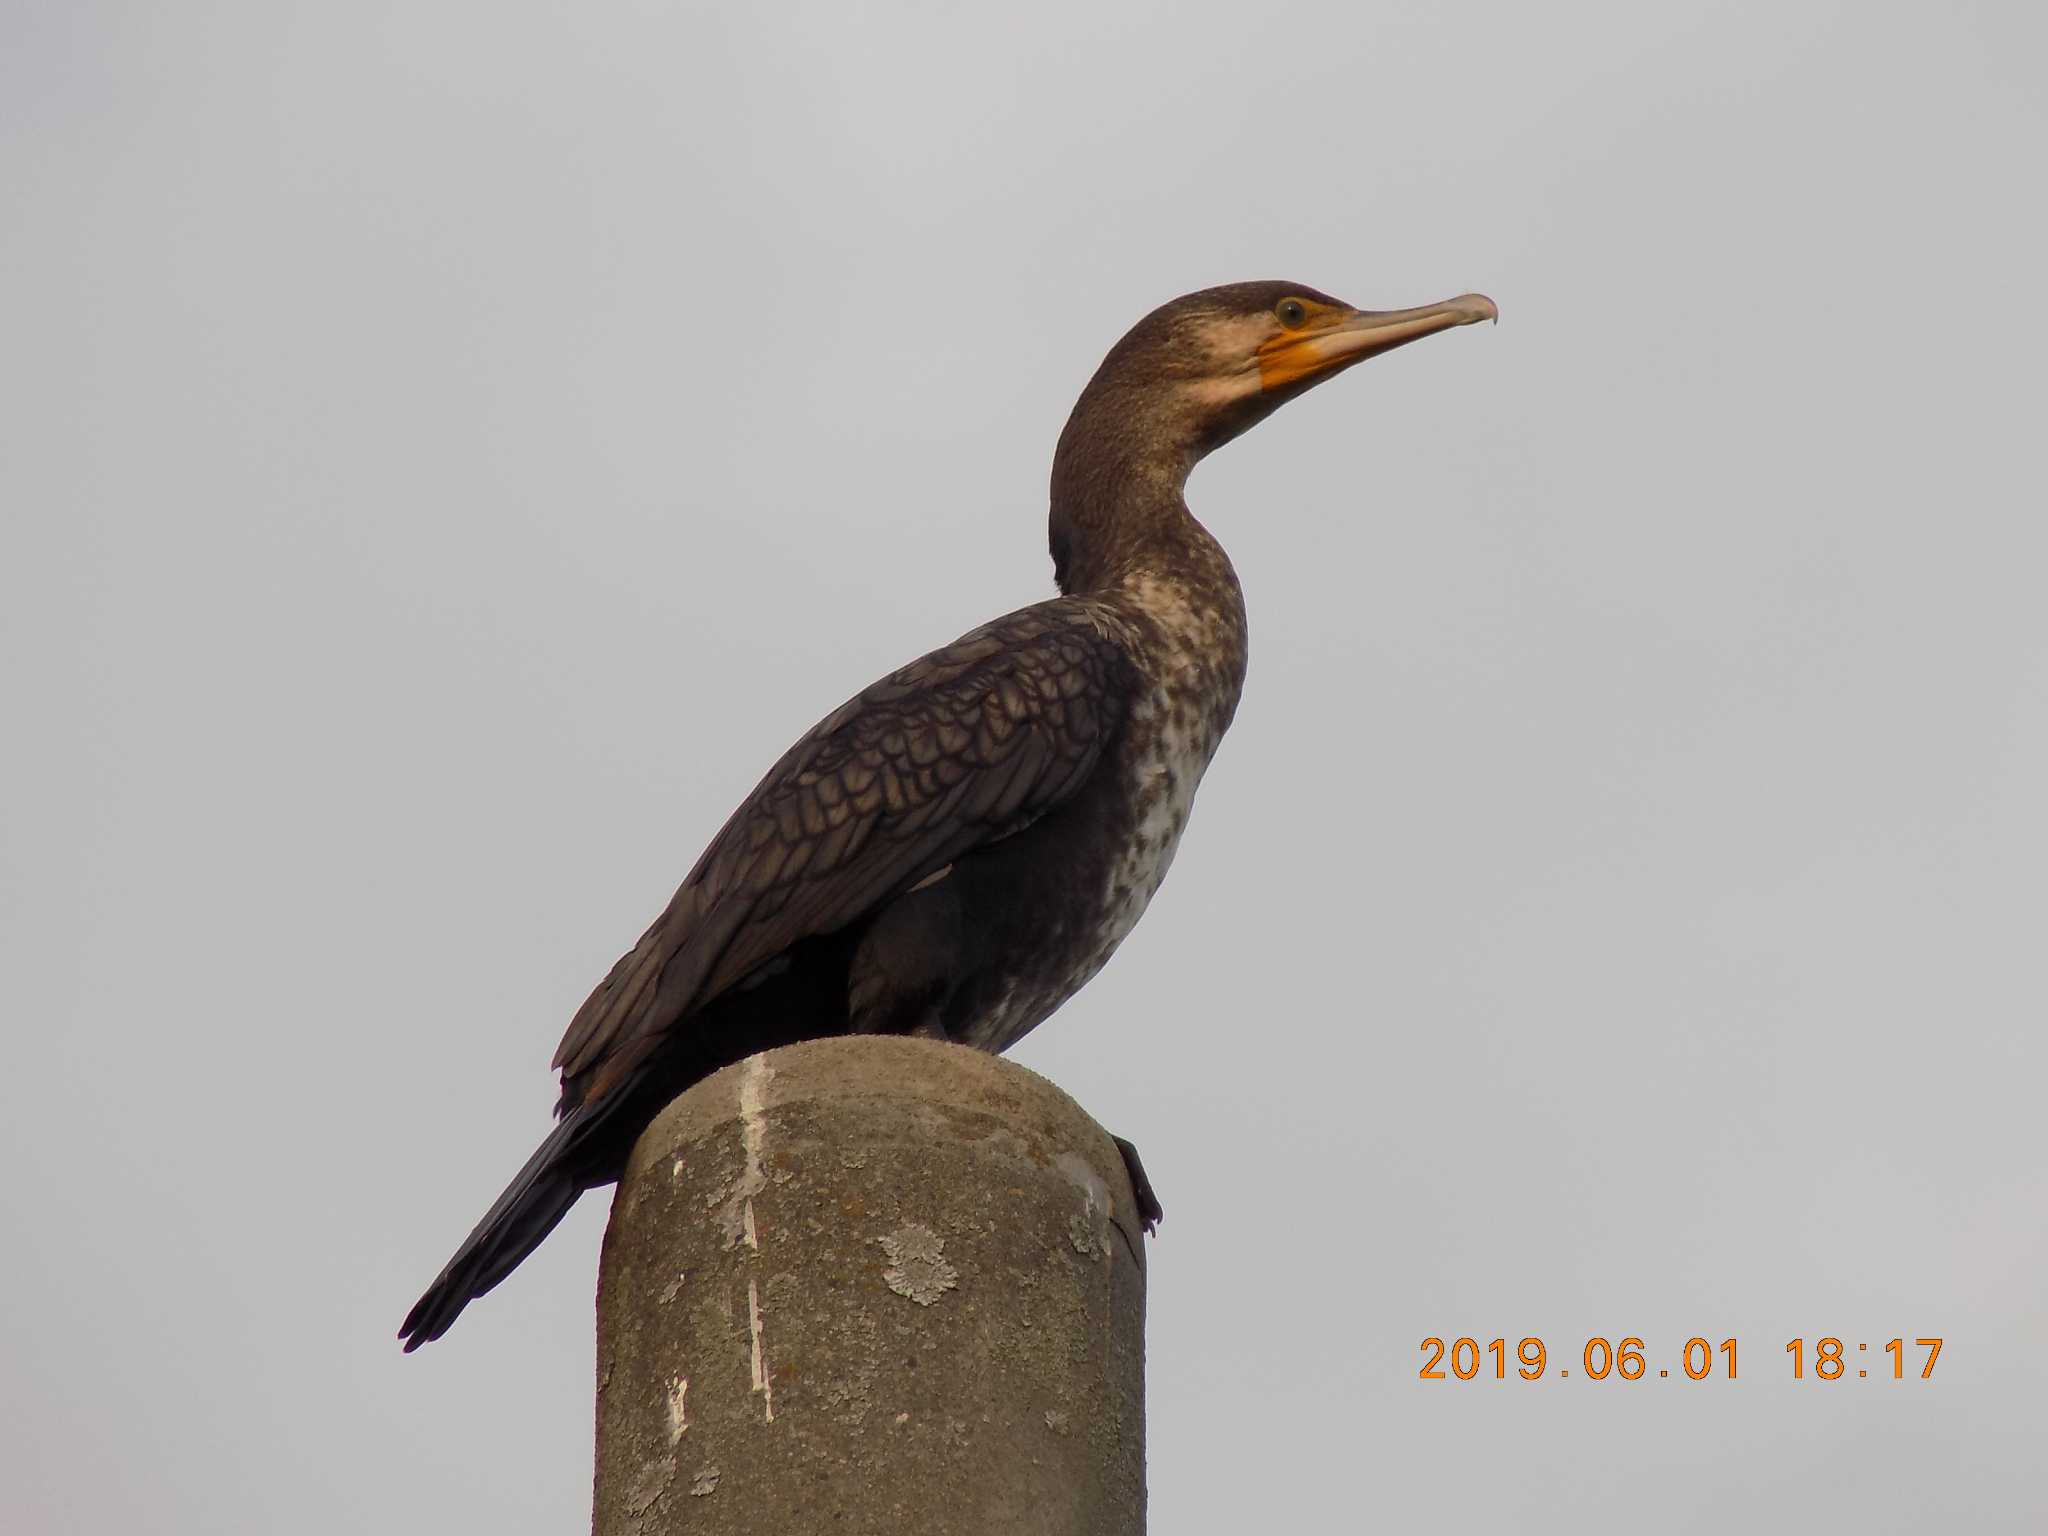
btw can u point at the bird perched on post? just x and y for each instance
(958, 849)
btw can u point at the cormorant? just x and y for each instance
(956, 850)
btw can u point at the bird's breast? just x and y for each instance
(1114, 855)
(1168, 751)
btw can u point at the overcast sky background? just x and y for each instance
(451, 449)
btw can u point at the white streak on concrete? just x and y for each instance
(739, 1206)
(1090, 1226)
(678, 1415)
(762, 1384)
(753, 1106)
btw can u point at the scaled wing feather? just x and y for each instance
(961, 748)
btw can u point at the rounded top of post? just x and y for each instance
(954, 1081)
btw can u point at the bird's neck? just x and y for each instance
(1123, 536)
(1119, 511)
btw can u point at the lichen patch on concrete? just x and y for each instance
(1081, 1231)
(918, 1267)
(1082, 1175)
(1088, 1228)
(652, 1482)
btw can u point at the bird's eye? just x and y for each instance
(1292, 312)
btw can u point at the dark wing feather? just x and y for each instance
(959, 749)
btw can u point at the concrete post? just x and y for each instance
(872, 1284)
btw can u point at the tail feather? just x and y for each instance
(531, 1207)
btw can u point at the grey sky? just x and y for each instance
(452, 449)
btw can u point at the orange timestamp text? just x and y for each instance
(1825, 1359)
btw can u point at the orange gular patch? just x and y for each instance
(1330, 340)
(1300, 351)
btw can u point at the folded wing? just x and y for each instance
(966, 746)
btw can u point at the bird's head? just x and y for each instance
(1187, 379)
(1208, 365)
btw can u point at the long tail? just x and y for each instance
(532, 1205)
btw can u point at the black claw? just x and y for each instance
(1150, 1211)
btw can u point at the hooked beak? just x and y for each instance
(1326, 346)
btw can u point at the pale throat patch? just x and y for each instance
(1232, 342)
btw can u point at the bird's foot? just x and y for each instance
(1150, 1212)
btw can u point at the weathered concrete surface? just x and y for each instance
(872, 1284)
